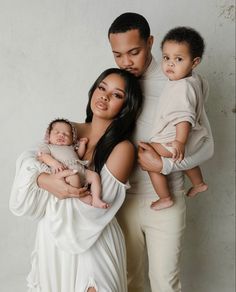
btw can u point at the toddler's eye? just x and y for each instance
(179, 59)
(165, 58)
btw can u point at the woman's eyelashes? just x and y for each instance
(102, 88)
(118, 95)
(115, 94)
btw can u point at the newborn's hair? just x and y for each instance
(65, 121)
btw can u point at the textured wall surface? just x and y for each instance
(50, 53)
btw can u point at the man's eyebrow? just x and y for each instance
(133, 49)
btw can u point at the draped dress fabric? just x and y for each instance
(77, 246)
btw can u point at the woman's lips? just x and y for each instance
(101, 105)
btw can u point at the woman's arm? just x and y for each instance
(121, 160)
(56, 185)
(27, 199)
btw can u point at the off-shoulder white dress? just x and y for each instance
(77, 246)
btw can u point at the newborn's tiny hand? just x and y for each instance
(83, 140)
(57, 167)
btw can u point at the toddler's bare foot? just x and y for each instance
(192, 192)
(87, 199)
(98, 203)
(162, 204)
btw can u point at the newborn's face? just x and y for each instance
(61, 134)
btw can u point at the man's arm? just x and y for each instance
(149, 160)
(204, 153)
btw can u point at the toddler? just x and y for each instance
(178, 129)
(61, 151)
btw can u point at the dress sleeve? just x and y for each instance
(26, 198)
(204, 153)
(76, 226)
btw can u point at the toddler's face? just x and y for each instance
(61, 134)
(177, 63)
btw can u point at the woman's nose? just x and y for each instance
(105, 97)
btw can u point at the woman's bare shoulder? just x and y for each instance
(125, 148)
(121, 160)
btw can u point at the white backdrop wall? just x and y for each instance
(51, 51)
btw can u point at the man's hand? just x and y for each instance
(56, 185)
(148, 159)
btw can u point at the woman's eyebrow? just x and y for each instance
(116, 88)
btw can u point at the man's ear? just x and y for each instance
(150, 41)
(196, 61)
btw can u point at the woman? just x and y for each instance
(78, 247)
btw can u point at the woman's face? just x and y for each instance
(109, 97)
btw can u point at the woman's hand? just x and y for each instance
(56, 185)
(148, 159)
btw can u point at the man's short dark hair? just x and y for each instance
(129, 21)
(183, 34)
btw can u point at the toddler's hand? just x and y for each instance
(178, 150)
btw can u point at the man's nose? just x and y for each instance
(126, 61)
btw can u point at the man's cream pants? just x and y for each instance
(161, 232)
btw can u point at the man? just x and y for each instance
(160, 232)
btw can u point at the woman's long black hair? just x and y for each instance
(123, 124)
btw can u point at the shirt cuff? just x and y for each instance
(168, 164)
